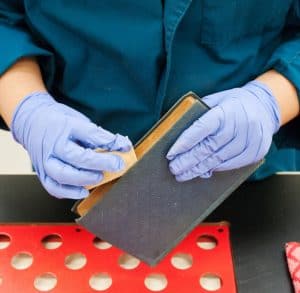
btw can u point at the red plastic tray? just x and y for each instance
(188, 268)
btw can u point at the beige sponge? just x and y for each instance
(129, 159)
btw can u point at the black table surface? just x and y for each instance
(263, 215)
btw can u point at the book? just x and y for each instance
(146, 212)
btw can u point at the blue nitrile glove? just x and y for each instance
(60, 140)
(236, 132)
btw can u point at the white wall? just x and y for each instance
(13, 158)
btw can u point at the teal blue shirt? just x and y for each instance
(123, 63)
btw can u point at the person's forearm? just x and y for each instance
(284, 92)
(21, 79)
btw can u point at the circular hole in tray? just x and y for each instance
(75, 261)
(4, 241)
(207, 242)
(128, 262)
(100, 244)
(210, 282)
(22, 261)
(220, 230)
(182, 261)
(52, 241)
(45, 282)
(156, 282)
(100, 281)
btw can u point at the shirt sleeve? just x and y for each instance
(286, 58)
(16, 40)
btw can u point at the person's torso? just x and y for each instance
(124, 63)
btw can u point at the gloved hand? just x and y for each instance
(236, 132)
(60, 140)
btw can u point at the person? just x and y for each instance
(75, 73)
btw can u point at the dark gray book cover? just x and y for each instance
(146, 213)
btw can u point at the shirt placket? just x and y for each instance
(173, 15)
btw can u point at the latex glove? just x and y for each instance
(237, 131)
(60, 140)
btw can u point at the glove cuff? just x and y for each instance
(24, 111)
(267, 98)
